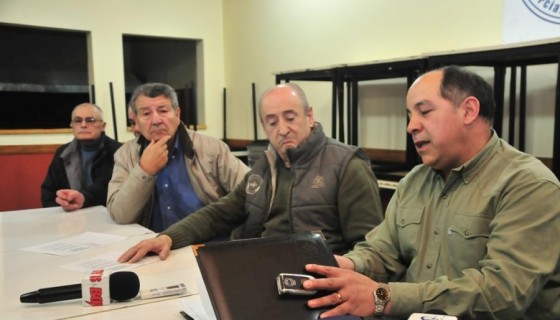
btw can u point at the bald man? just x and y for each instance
(305, 182)
(471, 232)
(81, 169)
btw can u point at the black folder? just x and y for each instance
(240, 275)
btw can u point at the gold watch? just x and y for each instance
(382, 295)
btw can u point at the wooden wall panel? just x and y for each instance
(21, 176)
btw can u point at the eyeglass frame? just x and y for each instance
(79, 120)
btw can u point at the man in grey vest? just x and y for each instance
(304, 182)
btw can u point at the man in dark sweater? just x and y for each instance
(81, 169)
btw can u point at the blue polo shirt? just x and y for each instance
(175, 195)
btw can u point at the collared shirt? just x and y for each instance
(175, 195)
(478, 245)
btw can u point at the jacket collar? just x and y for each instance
(307, 150)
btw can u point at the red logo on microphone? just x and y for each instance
(96, 284)
(96, 296)
(96, 276)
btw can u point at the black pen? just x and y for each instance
(185, 315)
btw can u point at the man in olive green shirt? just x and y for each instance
(472, 232)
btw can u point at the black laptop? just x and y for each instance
(241, 276)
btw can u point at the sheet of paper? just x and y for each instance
(107, 261)
(75, 244)
(199, 308)
(195, 310)
(206, 303)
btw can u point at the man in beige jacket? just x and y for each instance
(169, 171)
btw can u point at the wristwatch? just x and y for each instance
(382, 295)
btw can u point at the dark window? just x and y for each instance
(167, 60)
(43, 75)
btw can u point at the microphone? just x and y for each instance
(163, 291)
(123, 285)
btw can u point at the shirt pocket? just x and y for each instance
(470, 233)
(408, 224)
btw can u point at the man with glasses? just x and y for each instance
(81, 169)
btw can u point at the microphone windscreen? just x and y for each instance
(123, 285)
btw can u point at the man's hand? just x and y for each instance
(352, 291)
(69, 199)
(154, 157)
(161, 245)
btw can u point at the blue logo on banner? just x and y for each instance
(548, 10)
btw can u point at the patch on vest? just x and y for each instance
(318, 182)
(253, 184)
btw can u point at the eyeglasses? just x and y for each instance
(89, 121)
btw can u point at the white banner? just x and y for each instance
(527, 20)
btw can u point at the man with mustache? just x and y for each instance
(81, 169)
(168, 171)
(304, 182)
(472, 232)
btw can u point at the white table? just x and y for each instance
(23, 271)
